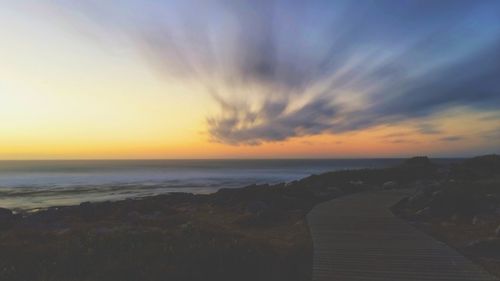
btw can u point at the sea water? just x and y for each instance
(40, 184)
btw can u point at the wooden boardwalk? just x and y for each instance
(358, 238)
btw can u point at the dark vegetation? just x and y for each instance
(254, 233)
(461, 208)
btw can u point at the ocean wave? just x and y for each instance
(39, 184)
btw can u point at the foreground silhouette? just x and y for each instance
(258, 232)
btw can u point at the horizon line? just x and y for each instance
(240, 159)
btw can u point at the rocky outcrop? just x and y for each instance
(5, 214)
(257, 207)
(7, 218)
(489, 248)
(389, 185)
(481, 167)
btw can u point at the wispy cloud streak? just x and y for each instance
(281, 69)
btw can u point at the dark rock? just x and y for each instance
(427, 186)
(480, 167)
(153, 216)
(323, 195)
(335, 191)
(134, 215)
(486, 165)
(497, 231)
(279, 185)
(437, 194)
(5, 213)
(85, 204)
(416, 168)
(7, 218)
(187, 228)
(492, 198)
(63, 231)
(447, 224)
(356, 182)
(257, 207)
(424, 213)
(417, 198)
(416, 162)
(477, 220)
(400, 205)
(425, 192)
(460, 200)
(484, 248)
(88, 211)
(491, 203)
(103, 230)
(389, 185)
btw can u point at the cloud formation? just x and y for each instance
(286, 68)
(271, 122)
(451, 138)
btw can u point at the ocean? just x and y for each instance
(30, 185)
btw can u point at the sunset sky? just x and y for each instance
(248, 79)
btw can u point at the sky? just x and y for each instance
(89, 79)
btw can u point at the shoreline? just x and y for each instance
(35, 185)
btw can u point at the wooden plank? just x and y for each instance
(358, 238)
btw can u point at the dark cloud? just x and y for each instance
(358, 64)
(491, 134)
(394, 135)
(271, 122)
(428, 129)
(403, 141)
(452, 138)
